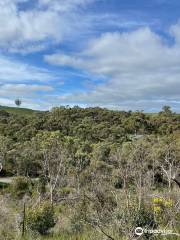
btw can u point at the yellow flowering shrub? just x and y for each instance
(159, 204)
(168, 203)
(157, 209)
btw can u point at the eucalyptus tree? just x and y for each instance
(53, 161)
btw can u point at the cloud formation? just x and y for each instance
(12, 70)
(140, 66)
(111, 53)
(27, 92)
(23, 89)
(34, 29)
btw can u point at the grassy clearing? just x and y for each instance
(20, 111)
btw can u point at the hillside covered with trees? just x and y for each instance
(89, 173)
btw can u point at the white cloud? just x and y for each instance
(23, 89)
(50, 22)
(6, 101)
(27, 103)
(12, 70)
(64, 5)
(20, 28)
(40, 25)
(63, 60)
(140, 65)
(175, 31)
(32, 95)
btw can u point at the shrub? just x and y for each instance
(21, 186)
(118, 183)
(65, 191)
(8, 223)
(145, 218)
(41, 219)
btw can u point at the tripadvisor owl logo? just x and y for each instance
(139, 231)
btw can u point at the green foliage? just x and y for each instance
(92, 163)
(21, 186)
(144, 217)
(8, 228)
(41, 218)
(65, 191)
(14, 110)
(146, 220)
(25, 134)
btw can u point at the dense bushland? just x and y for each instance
(89, 173)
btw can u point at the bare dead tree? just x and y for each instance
(53, 168)
(169, 166)
(140, 154)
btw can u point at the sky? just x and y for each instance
(117, 54)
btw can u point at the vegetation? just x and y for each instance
(19, 111)
(41, 218)
(89, 174)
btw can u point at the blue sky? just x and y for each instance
(119, 54)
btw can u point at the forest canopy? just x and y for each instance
(100, 170)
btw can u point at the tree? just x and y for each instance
(167, 110)
(41, 218)
(27, 158)
(139, 155)
(18, 102)
(170, 162)
(53, 160)
(21, 186)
